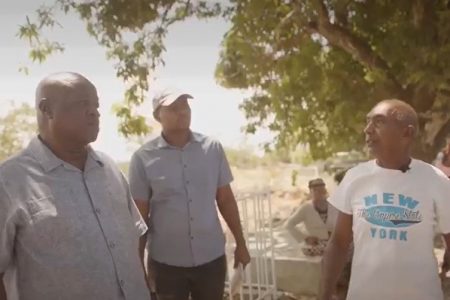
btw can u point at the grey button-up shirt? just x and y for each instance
(68, 234)
(181, 185)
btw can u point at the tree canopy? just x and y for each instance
(17, 128)
(315, 67)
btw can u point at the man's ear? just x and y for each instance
(156, 115)
(411, 131)
(45, 108)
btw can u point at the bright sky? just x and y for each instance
(192, 52)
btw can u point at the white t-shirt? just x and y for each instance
(393, 219)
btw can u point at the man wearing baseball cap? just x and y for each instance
(176, 181)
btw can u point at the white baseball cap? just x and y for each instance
(168, 97)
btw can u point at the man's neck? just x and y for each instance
(400, 163)
(320, 205)
(71, 153)
(177, 138)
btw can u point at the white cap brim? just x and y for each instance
(174, 97)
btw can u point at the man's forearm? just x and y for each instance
(296, 233)
(2, 288)
(333, 263)
(230, 213)
(142, 244)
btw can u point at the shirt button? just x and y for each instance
(187, 181)
(185, 166)
(192, 237)
(112, 245)
(121, 282)
(98, 211)
(192, 219)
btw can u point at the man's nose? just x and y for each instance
(369, 128)
(93, 111)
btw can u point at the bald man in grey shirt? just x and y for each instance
(68, 226)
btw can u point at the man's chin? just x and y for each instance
(372, 150)
(91, 138)
(183, 128)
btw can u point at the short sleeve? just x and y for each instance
(442, 203)
(225, 175)
(340, 199)
(7, 230)
(137, 218)
(138, 221)
(139, 186)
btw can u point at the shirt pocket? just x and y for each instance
(41, 207)
(120, 200)
(164, 187)
(56, 229)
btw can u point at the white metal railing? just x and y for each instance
(256, 217)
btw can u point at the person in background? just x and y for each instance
(442, 161)
(317, 217)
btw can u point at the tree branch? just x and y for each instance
(419, 12)
(340, 37)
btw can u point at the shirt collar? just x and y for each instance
(49, 161)
(162, 143)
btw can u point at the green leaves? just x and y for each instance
(31, 32)
(325, 65)
(132, 32)
(16, 129)
(316, 67)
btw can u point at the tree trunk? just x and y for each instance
(425, 152)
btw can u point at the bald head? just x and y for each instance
(390, 131)
(57, 86)
(401, 112)
(67, 103)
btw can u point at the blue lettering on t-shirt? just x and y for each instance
(393, 213)
(407, 201)
(370, 200)
(391, 234)
(388, 198)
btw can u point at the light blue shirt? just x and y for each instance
(66, 233)
(181, 185)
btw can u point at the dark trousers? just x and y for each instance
(205, 282)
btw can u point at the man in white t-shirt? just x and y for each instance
(389, 206)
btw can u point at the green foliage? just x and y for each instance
(294, 177)
(132, 32)
(316, 66)
(16, 130)
(243, 158)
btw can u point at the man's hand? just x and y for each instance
(312, 240)
(241, 255)
(229, 210)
